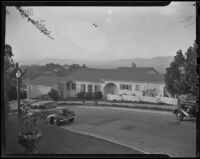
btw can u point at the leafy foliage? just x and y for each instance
(54, 94)
(150, 92)
(81, 95)
(27, 13)
(12, 93)
(98, 95)
(9, 75)
(30, 133)
(90, 95)
(181, 76)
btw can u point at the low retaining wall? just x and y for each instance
(37, 90)
(166, 100)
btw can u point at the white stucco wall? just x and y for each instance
(158, 99)
(158, 86)
(73, 92)
(37, 90)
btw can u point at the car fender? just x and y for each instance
(51, 115)
(182, 111)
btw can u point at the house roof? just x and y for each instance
(138, 74)
(140, 69)
(45, 80)
(125, 74)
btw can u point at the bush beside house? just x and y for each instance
(53, 94)
(12, 93)
(90, 95)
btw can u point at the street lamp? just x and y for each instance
(18, 75)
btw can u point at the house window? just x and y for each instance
(73, 85)
(126, 86)
(97, 88)
(129, 87)
(83, 88)
(137, 87)
(68, 86)
(89, 88)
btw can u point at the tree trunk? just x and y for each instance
(6, 105)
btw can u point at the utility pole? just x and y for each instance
(18, 75)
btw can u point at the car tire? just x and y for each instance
(179, 116)
(56, 123)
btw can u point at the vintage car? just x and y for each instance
(187, 109)
(54, 113)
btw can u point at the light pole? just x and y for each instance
(19, 74)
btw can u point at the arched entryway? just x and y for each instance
(110, 88)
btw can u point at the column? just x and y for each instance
(86, 88)
(28, 91)
(65, 90)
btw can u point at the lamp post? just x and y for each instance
(18, 75)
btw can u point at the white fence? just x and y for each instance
(172, 101)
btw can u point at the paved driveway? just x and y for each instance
(147, 131)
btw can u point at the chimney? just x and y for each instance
(133, 65)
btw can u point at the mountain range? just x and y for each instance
(158, 63)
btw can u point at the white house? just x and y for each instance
(41, 85)
(123, 80)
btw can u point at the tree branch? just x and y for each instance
(37, 23)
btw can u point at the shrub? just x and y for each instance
(98, 95)
(54, 94)
(81, 95)
(23, 94)
(12, 93)
(89, 95)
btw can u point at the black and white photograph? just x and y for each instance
(100, 80)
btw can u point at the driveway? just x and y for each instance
(147, 131)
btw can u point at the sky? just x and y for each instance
(120, 32)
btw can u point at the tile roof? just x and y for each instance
(45, 80)
(130, 74)
(138, 74)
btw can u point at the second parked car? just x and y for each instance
(53, 112)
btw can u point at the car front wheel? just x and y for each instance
(179, 116)
(56, 123)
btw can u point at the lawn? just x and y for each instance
(56, 140)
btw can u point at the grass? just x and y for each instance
(56, 140)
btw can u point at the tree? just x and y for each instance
(12, 93)
(190, 70)
(26, 14)
(173, 77)
(53, 94)
(9, 66)
(9, 76)
(181, 76)
(84, 66)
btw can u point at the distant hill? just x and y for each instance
(159, 63)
